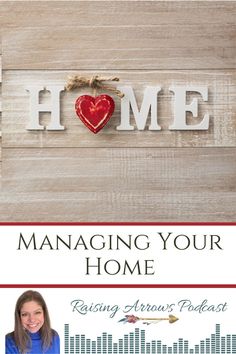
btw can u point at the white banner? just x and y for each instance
(117, 254)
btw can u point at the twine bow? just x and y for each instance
(95, 82)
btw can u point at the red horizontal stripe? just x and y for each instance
(148, 286)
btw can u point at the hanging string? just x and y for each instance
(95, 82)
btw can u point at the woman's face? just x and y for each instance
(32, 316)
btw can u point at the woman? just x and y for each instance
(32, 334)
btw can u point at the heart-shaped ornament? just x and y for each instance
(94, 112)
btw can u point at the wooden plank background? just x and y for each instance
(138, 176)
(0, 114)
(120, 35)
(119, 184)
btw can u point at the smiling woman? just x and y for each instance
(32, 333)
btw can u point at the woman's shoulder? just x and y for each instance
(55, 338)
(10, 336)
(54, 333)
(10, 346)
(55, 342)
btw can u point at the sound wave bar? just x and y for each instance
(135, 343)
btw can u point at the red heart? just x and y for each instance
(94, 112)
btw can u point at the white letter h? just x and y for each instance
(36, 107)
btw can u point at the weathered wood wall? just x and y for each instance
(119, 176)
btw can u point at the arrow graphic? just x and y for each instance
(148, 320)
